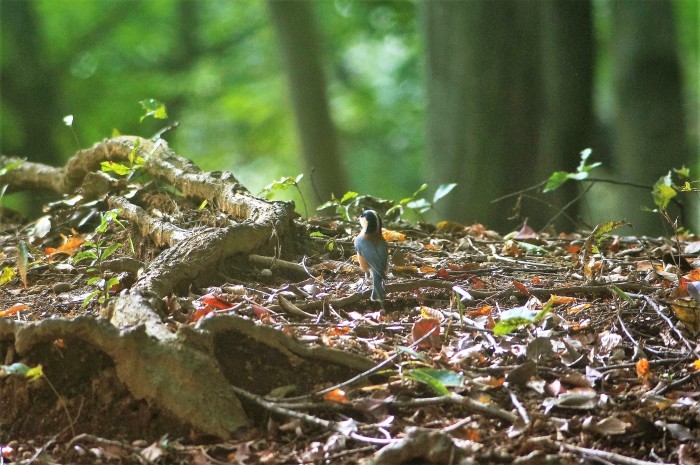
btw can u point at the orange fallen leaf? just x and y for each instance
(573, 249)
(263, 314)
(561, 299)
(449, 227)
(201, 312)
(423, 326)
(521, 287)
(336, 395)
(696, 365)
(215, 301)
(425, 269)
(643, 370)
(431, 313)
(481, 311)
(14, 309)
(693, 275)
(473, 435)
(393, 236)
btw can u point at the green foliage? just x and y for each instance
(97, 252)
(436, 380)
(10, 166)
(135, 162)
(342, 206)
(21, 370)
(330, 242)
(600, 232)
(663, 191)
(282, 185)
(153, 108)
(420, 205)
(517, 317)
(560, 177)
(665, 188)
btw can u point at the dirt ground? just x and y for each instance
(545, 347)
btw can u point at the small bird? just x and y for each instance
(373, 252)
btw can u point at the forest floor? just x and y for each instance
(534, 348)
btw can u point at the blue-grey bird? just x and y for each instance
(373, 252)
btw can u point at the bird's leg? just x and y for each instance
(364, 281)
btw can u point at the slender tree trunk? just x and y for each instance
(300, 45)
(567, 71)
(649, 133)
(28, 86)
(483, 110)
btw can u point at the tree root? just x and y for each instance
(190, 372)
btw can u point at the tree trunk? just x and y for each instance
(28, 86)
(649, 132)
(567, 69)
(483, 103)
(299, 42)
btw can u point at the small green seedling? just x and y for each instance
(342, 206)
(282, 185)
(421, 205)
(560, 177)
(21, 370)
(330, 242)
(517, 317)
(97, 251)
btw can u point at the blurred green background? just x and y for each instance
(218, 67)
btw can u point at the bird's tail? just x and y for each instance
(378, 291)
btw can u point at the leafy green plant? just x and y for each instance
(343, 205)
(134, 163)
(21, 370)
(420, 205)
(153, 108)
(515, 318)
(437, 380)
(97, 251)
(282, 185)
(582, 171)
(330, 242)
(6, 169)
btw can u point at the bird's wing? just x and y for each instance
(375, 253)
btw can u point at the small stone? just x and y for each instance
(266, 272)
(60, 288)
(311, 289)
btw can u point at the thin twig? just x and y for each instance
(678, 382)
(456, 399)
(610, 456)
